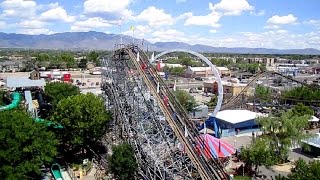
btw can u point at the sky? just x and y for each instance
(280, 24)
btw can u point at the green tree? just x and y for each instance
(122, 162)
(56, 91)
(24, 145)
(283, 131)
(301, 110)
(263, 93)
(83, 63)
(2, 93)
(68, 59)
(213, 102)
(43, 57)
(186, 100)
(303, 170)
(258, 154)
(93, 57)
(84, 118)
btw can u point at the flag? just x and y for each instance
(138, 57)
(152, 56)
(132, 28)
(185, 131)
(158, 87)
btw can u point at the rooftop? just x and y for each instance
(236, 116)
(15, 82)
(314, 141)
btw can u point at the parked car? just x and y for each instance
(198, 78)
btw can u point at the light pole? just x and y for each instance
(120, 25)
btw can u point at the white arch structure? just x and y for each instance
(213, 68)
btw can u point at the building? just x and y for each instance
(230, 86)
(193, 72)
(34, 75)
(205, 72)
(15, 82)
(56, 75)
(224, 71)
(232, 122)
(162, 65)
(11, 66)
(314, 144)
(90, 65)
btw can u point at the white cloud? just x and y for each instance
(232, 7)
(258, 13)
(91, 23)
(119, 7)
(213, 31)
(56, 14)
(211, 19)
(313, 22)
(168, 35)
(32, 24)
(155, 17)
(282, 20)
(2, 24)
(140, 31)
(223, 8)
(36, 31)
(18, 8)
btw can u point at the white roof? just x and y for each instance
(170, 65)
(222, 68)
(197, 69)
(236, 116)
(15, 82)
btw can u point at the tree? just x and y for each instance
(122, 162)
(84, 118)
(24, 145)
(303, 170)
(263, 93)
(283, 131)
(186, 100)
(43, 57)
(93, 57)
(68, 59)
(301, 110)
(258, 154)
(83, 63)
(57, 91)
(213, 102)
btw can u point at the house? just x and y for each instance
(90, 65)
(224, 71)
(230, 86)
(34, 75)
(193, 72)
(232, 122)
(11, 66)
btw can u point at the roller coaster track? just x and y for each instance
(235, 99)
(176, 119)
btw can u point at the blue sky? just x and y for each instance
(281, 24)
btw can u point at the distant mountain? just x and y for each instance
(99, 40)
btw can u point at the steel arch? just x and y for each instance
(213, 68)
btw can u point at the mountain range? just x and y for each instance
(99, 40)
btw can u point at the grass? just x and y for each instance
(242, 178)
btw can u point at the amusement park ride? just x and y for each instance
(148, 116)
